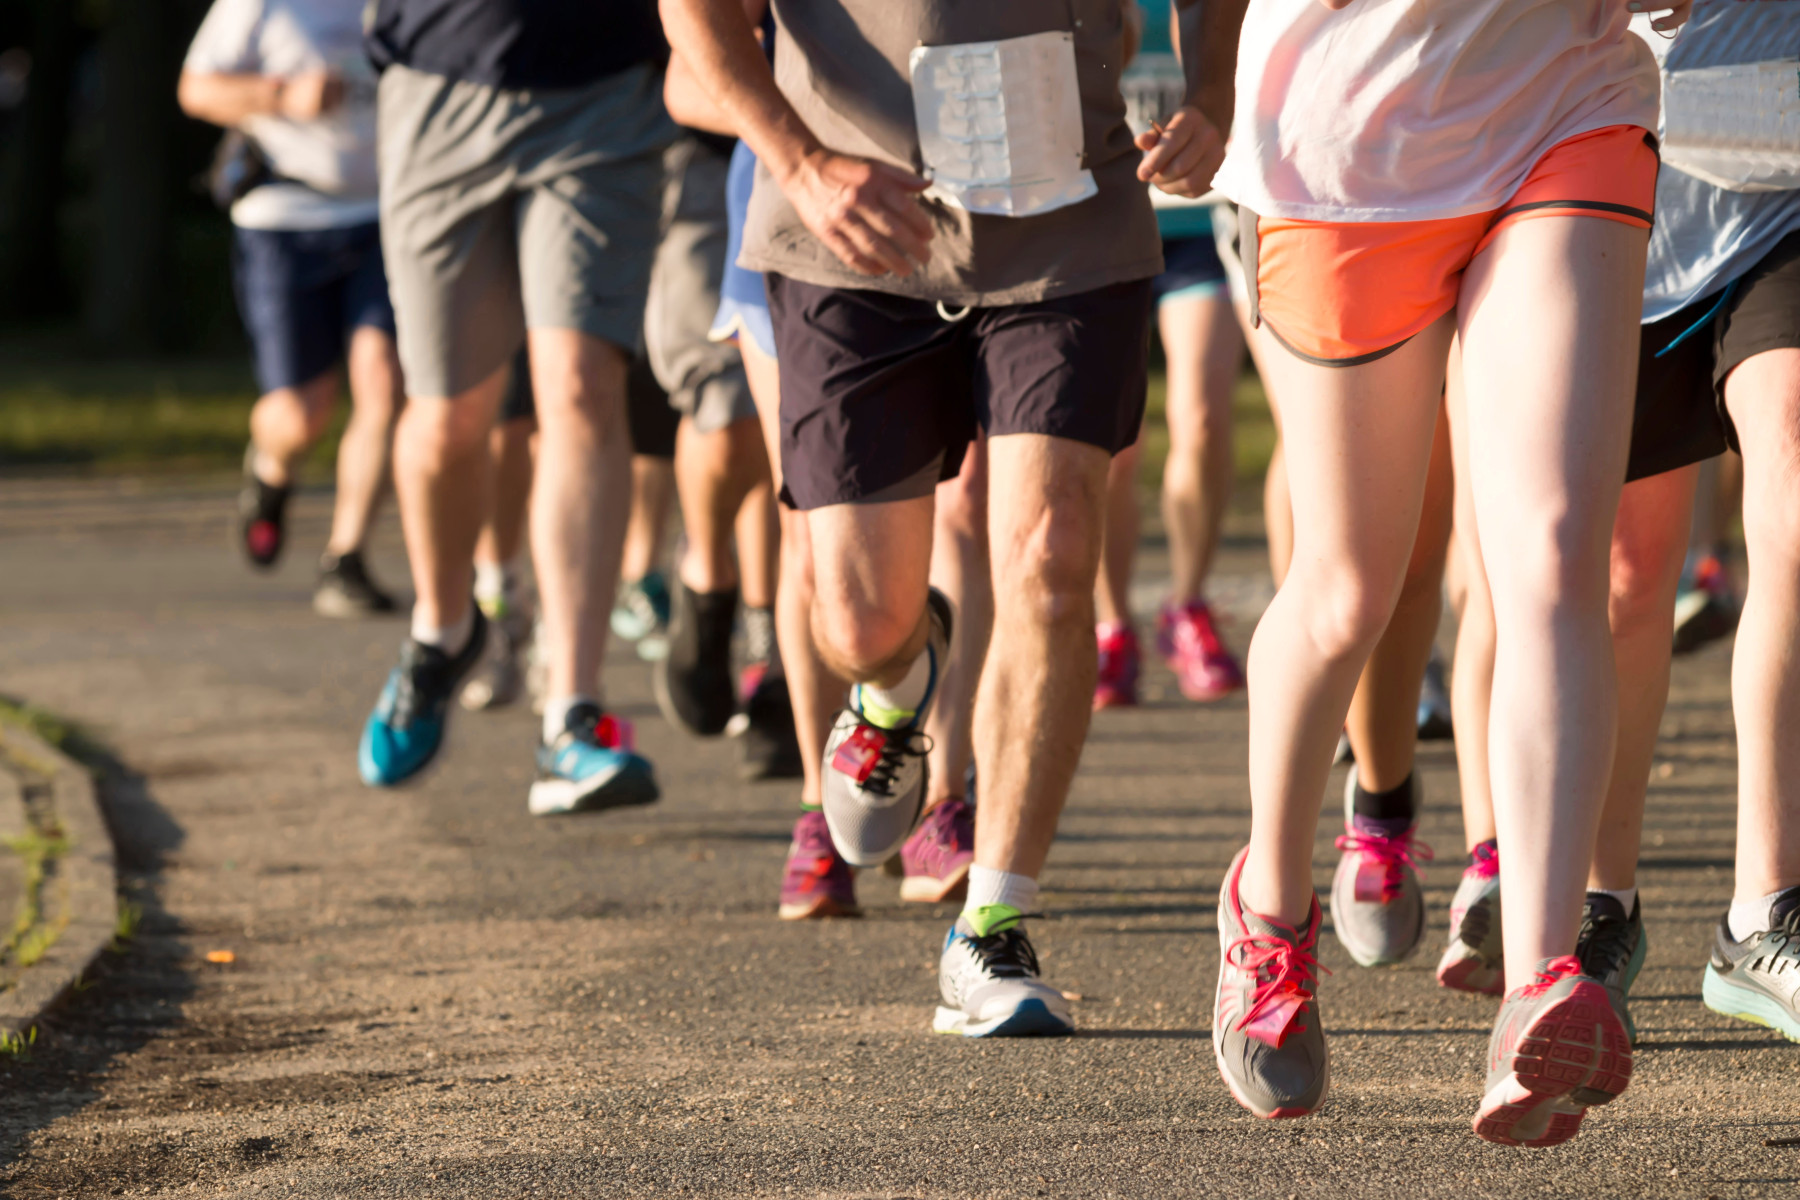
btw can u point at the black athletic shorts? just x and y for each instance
(1675, 421)
(651, 421)
(881, 395)
(1762, 314)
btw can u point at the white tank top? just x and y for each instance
(1411, 110)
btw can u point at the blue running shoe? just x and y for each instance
(407, 727)
(590, 766)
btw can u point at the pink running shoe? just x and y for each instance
(1474, 960)
(817, 882)
(937, 855)
(1119, 663)
(1558, 1048)
(1190, 643)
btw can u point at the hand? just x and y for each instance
(1183, 158)
(867, 213)
(309, 96)
(1679, 11)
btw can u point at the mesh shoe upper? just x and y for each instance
(404, 732)
(1377, 906)
(990, 983)
(1611, 948)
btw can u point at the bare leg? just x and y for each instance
(1383, 718)
(1649, 541)
(579, 501)
(714, 473)
(1763, 395)
(1472, 676)
(959, 569)
(503, 533)
(1205, 348)
(1358, 442)
(1550, 430)
(871, 568)
(814, 691)
(652, 498)
(1046, 507)
(758, 539)
(443, 478)
(1112, 587)
(376, 396)
(1278, 512)
(286, 422)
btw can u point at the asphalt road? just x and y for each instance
(436, 995)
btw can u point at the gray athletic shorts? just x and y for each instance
(504, 210)
(705, 379)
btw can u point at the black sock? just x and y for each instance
(1491, 845)
(1395, 804)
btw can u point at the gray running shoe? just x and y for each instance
(1377, 908)
(875, 775)
(500, 679)
(1758, 979)
(1557, 1049)
(989, 981)
(1267, 1036)
(1611, 947)
(1474, 961)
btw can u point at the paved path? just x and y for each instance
(434, 995)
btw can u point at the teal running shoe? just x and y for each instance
(590, 766)
(1758, 979)
(406, 729)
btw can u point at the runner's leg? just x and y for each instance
(1551, 429)
(376, 396)
(1204, 347)
(1119, 659)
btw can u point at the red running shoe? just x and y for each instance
(936, 857)
(1189, 641)
(817, 881)
(1558, 1048)
(1119, 665)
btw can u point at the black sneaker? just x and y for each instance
(693, 685)
(345, 589)
(262, 517)
(1611, 947)
(767, 745)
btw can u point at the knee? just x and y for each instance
(1343, 612)
(860, 635)
(1560, 565)
(1645, 571)
(1045, 570)
(444, 431)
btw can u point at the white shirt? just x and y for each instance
(331, 161)
(1706, 236)
(1411, 110)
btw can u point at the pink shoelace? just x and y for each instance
(1550, 974)
(1390, 855)
(1286, 973)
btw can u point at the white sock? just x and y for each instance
(490, 582)
(449, 638)
(1626, 898)
(893, 706)
(1749, 917)
(988, 886)
(556, 714)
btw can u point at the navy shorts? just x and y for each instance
(302, 291)
(1191, 270)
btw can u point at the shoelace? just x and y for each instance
(1006, 953)
(1603, 943)
(1484, 861)
(1783, 954)
(1291, 974)
(1391, 853)
(1550, 974)
(896, 748)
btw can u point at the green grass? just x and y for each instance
(115, 417)
(58, 412)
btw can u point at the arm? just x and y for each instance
(688, 102)
(227, 99)
(1184, 157)
(867, 213)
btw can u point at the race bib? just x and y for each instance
(1000, 124)
(1736, 127)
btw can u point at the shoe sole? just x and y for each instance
(1200, 695)
(622, 789)
(924, 889)
(1285, 1113)
(1114, 701)
(1032, 1018)
(1573, 1055)
(820, 908)
(1465, 970)
(1746, 1004)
